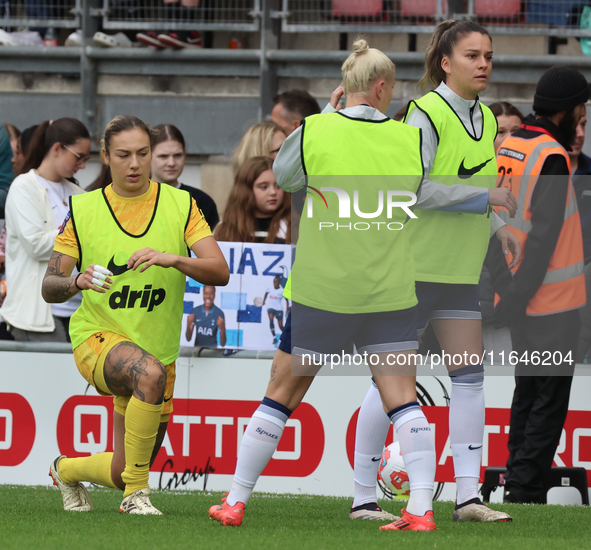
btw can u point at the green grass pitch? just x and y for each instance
(32, 517)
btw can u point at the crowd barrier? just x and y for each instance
(47, 409)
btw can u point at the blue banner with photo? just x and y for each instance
(250, 312)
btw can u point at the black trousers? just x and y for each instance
(540, 402)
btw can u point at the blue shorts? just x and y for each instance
(446, 301)
(277, 312)
(317, 332)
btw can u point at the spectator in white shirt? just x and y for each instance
(36, 208)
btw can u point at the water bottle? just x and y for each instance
(50, 39)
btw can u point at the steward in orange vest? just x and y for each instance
(539, 300)
(520, 161)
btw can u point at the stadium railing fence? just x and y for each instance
(561, 18)
(41, 13)
(265, 21)
(201, 15)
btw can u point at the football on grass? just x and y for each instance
(392, 472)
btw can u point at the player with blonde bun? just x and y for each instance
(332, 306)
(132, 291)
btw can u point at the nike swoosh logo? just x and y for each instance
(166, 400)
(464, 173)
(141, 465)
(116, 269)
(375, 459)
(474, 448)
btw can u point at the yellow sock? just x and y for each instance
(95, 468)
(142, 421)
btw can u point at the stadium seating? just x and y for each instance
(420, 8)
(356, 8)
(501, 9)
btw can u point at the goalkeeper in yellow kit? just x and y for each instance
(131, 243)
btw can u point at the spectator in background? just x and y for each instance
(14, 135)
(509, 119)
(291, 108)
(13, 132)
(35, 209)
(289, 111)
(580, 165)
(26, 137)
(6, 173)
(18, 158)
(258, 210)
(168, 161)
(497, 340)
(261, 140)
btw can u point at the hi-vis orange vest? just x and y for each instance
(520, 162)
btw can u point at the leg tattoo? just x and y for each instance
(126, 364)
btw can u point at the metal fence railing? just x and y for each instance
(525, 17)
(199, 15)
(40, 13)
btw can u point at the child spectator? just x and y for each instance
(168, 162)
(258, 210)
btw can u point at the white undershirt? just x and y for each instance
(58, 193)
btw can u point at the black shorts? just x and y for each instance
(317, 332)
(446, 301)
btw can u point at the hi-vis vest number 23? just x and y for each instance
(520, 162)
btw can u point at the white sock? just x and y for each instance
(466, 430)
(372, 428)
(417, 447)
(259, 442)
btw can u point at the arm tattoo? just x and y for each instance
(57, 287)
(273, 372)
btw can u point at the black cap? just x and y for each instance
(560, 89)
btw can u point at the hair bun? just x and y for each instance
(360, 46)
